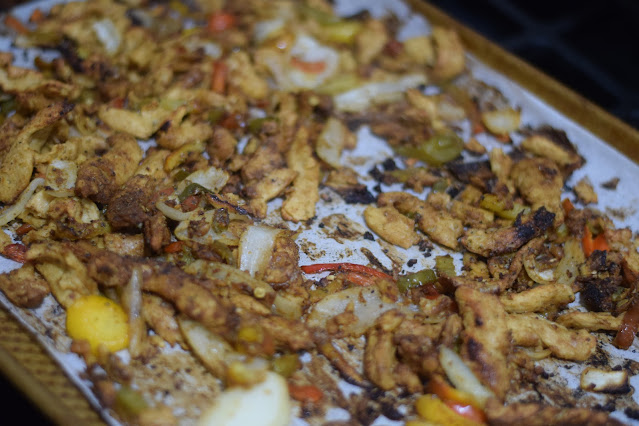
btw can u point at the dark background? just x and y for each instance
(591, 46)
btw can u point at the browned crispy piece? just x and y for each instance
(125, 245)
(272, 185)
(497, 284)
(100, 177)
(593, 321)
(486, 338)
(540, 182)
(282, 270)
(585, 192)
(545, 415)
(370, 41)
(17, 161)
(439, 225)
(391, 225)
(475, 147)
(160, 316)
(538, 299)
(179, 131)
(191, 295)
(379, 356)
(477, 173)
(417, 341)
(290, 334)
(221, 146)
(472, 216)
(300, 202)
(130, 205)
(141, 124)
(493, 242)
(24, 287)
(451, 59)
(67, 277)
(501, 164)
(266, 159)
(533, 330)
(153, 164)
(553, 144)
(156, 232)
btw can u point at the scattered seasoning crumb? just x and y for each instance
(369, 236)
(389, 165)
(611, 184)
(376, 174)
(632, 413)
(585, 192)
(411, 262)
(474, 147)
(425, 245)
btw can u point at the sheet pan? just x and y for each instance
(542, 101)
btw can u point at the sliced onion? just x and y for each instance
(538, 353)
(267, 404)
(288, 305)
(60, 194)
(214, 352)
(61, 175)
(462, 377)
(256, 247)
(11, 212)
(362, 97)
(568, 268)
(541, 277)
(212, 179)
(501, 121)
(107, 34)
(330, 142)
(172, 213)
(367, 307)
(264, 30)
(132, 301)
(231, 275)
(226, 237)
(305, 49)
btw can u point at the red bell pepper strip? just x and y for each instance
(629, 327)
(344, 267)
(174, 247)
(220, 21)
(23, 229)
(316, 67)
(307, 393)
(17, 252)
(468, 411)
(12, 22)
(567, 205)
(591, 244)
(218, 79)
(359, 279)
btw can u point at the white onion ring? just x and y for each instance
(11, 212)
(172, 213)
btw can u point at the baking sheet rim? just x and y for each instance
(582, 112)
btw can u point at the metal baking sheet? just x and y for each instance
(603, 163)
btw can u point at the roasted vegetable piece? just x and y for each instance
(100, 321)
(438, 150)
(416, 279)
